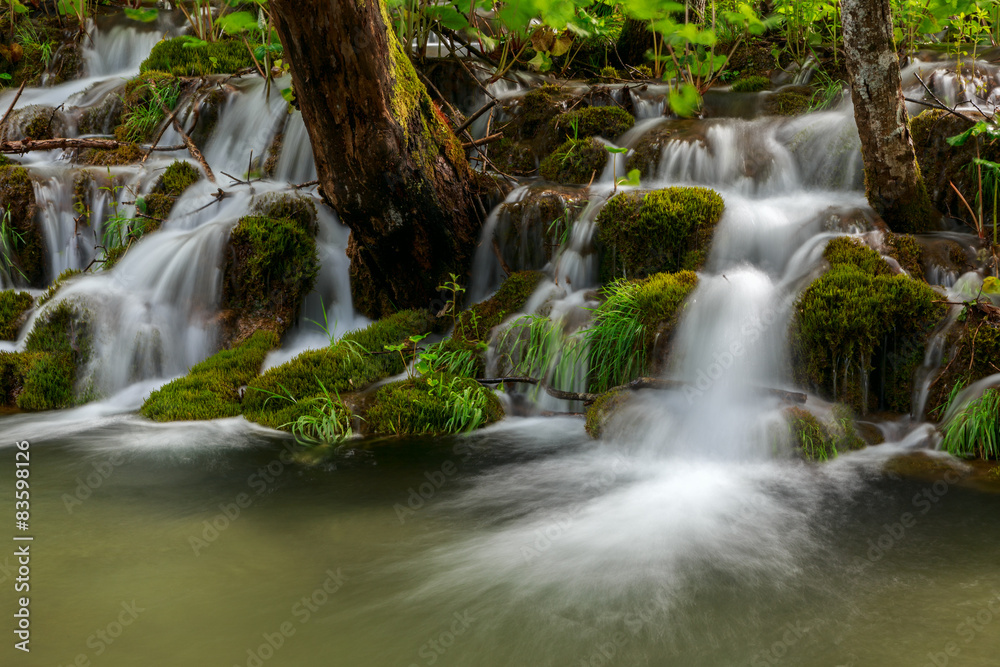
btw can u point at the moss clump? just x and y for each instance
(576, 161)
(907, 251)
(751, 84)
(282, 393)
(34, 122)
(533, 112)
(17, 195)
(58, 345)
(601, 410)
(529, 231)
(474, 325)
(177, 178)
(56, 285)
(12, 306)
(787, 103)
(432, 405)
(646, 155)
(112, 157)
(971, 352)
(607, 122)
(817, 440)
(211, 389)
(513, 157)
(859, 333)
(663, 230)
(158, 205)
(221, 57)
(609, 73)
(296, 208)
(271, 266)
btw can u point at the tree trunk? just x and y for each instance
(387, 161)
(893, 184)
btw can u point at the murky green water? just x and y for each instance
(534, 546)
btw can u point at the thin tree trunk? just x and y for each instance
(386, 159)
(893, 184)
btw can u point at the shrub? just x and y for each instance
(663, 230)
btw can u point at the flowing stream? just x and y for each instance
(681, 538)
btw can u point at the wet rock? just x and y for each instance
(789, 101)
(575, 162)
(14, 307)
(35, 122)
(17, 197)
(530, 230)
(821, 439)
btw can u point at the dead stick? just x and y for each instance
(192, 148)
(485, 140)
(12, 104)
(471, 119)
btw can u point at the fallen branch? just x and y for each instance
(28, 145)
(192, 148)
(12, 104)
(485, 140)
(942, 104)
(471, 119)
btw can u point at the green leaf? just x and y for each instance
(684, 100)
(237, 22)
(193, 42)
(142, 15)
(140, 204)
(613, 149)
(288, 94)
(541, 62)
(632, 180)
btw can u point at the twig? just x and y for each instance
(192, 148)
(485, 140)
(471, 119)
(943, 105)
(13, 104)
(307, 184)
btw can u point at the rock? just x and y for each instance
(575, 162)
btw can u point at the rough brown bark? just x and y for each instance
(386, 159)
(893, 183)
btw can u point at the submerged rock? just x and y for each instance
(639, 234)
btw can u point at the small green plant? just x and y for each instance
(143, 119)
(438, 358)
(327, 422)
(452, 304)
(407, 346)
(11, 241)
(974, 431)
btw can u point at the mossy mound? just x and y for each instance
(513, 157)
(13, 305)
(211, 389)
(177, 178)
(17, 195)
(819, 440)
(532, 113)
(907, 251)
(297, 208)
(112, 157)
(607, 122)
(603, 409)
(942, 164)
(529, 231)
(271, 266)
(575, 162)
(57, 284)
(751, 84)
(432, 405)
(57, 347)
(632, 329)
(475, 324)
(283, 393)
(788, 102)
(639, 234)
(142, 101)
(221, 57)
(859, 333)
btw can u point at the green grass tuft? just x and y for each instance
(974, 431)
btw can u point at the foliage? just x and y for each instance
(12, 305)
(143, 101)
(576, 161)
(974, 430)
(23, 248)
(820, 441)
(437, 403)
(601, 410)
(181, 57)
(475, 324)
(607, 122)
(663, 230)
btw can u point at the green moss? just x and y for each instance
(913, 215)
(300, 210)
(434, 405)
(57, 284)
(513, 157)
(351, 364)
(211, 389)
(609, 73)
(177, 178)
(532, 114)
(141, 111)
(751, 84)
(17, 195)
(787, 103)
(158, 205)
(817, 440)
(221, 57)
(601, 410)
(972, 349)
(906, 250)
(113, 256)
(663, 230)
(474, 325)
(57, 347)
(859, 333)
(12, 306)
(100, 157)
(607, 122)
(576, 161)
(48, 383)
(271, 266)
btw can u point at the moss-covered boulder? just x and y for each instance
(607, 121)
(128, 153)
(818, 440)
(531, 114)
(859, 332)
(176, 57)
(177, 178)
(516, 158)
(13, 306)
(283, 393)
(58, 346)
(271, 265)
(57, 284)
(753, 83)
(211, 389)
(575, 162)
(791, 101)
(639, 234)
(298, 208)
(632, 328)
(34, 122)
(972, 348)
(600, 412)
(435, 404)
(17, 195)
(529, 231)
(907, 252)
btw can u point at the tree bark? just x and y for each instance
(387, 161)
(893, 184)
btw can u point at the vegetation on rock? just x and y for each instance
(13, 305)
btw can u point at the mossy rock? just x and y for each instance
(907, 251)
(57, 347)
(972, 348)
(575, 162)
(13, 306)
(281, 393)
(57, 284)
(513, 157)
(271, 266)
(177, 178)
(297, 208)
(751, 84)
(437, 404)
(942, 164)
(34, 122)
(529, 231)
(607, 122)
(817, 440)
(600, 412)
(476, 323)
(17, 195)
(141, 111)
(211, 389)
(112, 157)
(220, 57)
(648, 152)
(639, 234)
(532, 113)
(859, 332)
(788, 102)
